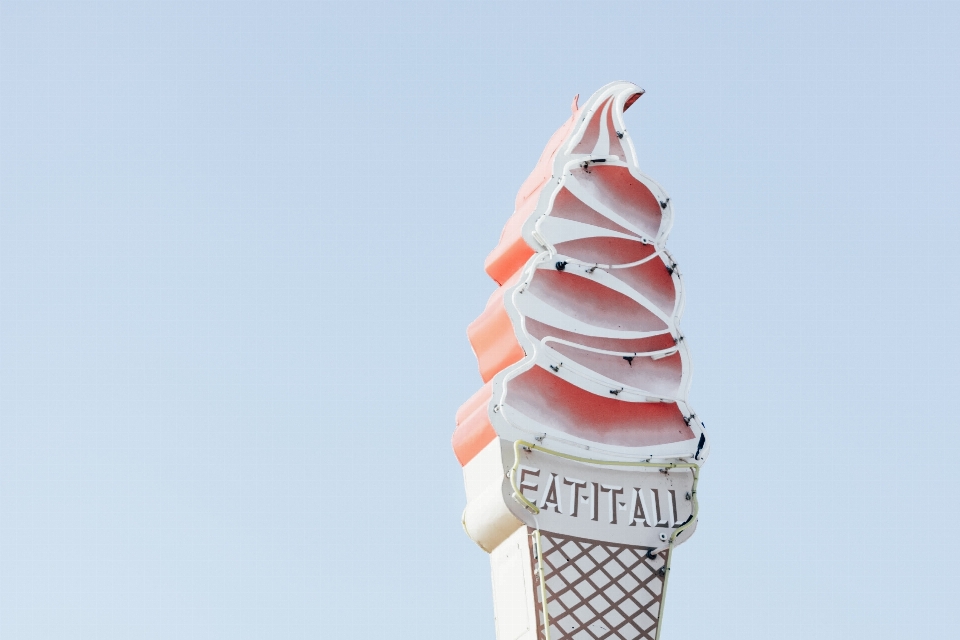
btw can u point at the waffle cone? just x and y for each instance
(593, 590)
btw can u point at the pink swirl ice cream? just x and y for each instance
(581, 344)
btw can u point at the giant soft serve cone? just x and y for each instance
(581, 454)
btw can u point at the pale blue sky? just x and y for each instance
(240, 244)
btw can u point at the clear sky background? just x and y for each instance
(240, 244)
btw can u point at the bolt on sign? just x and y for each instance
(580, 453)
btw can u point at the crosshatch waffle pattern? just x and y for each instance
(598, 590)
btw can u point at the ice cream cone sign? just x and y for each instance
(580, 453)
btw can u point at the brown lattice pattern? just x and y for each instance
(597, 590)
